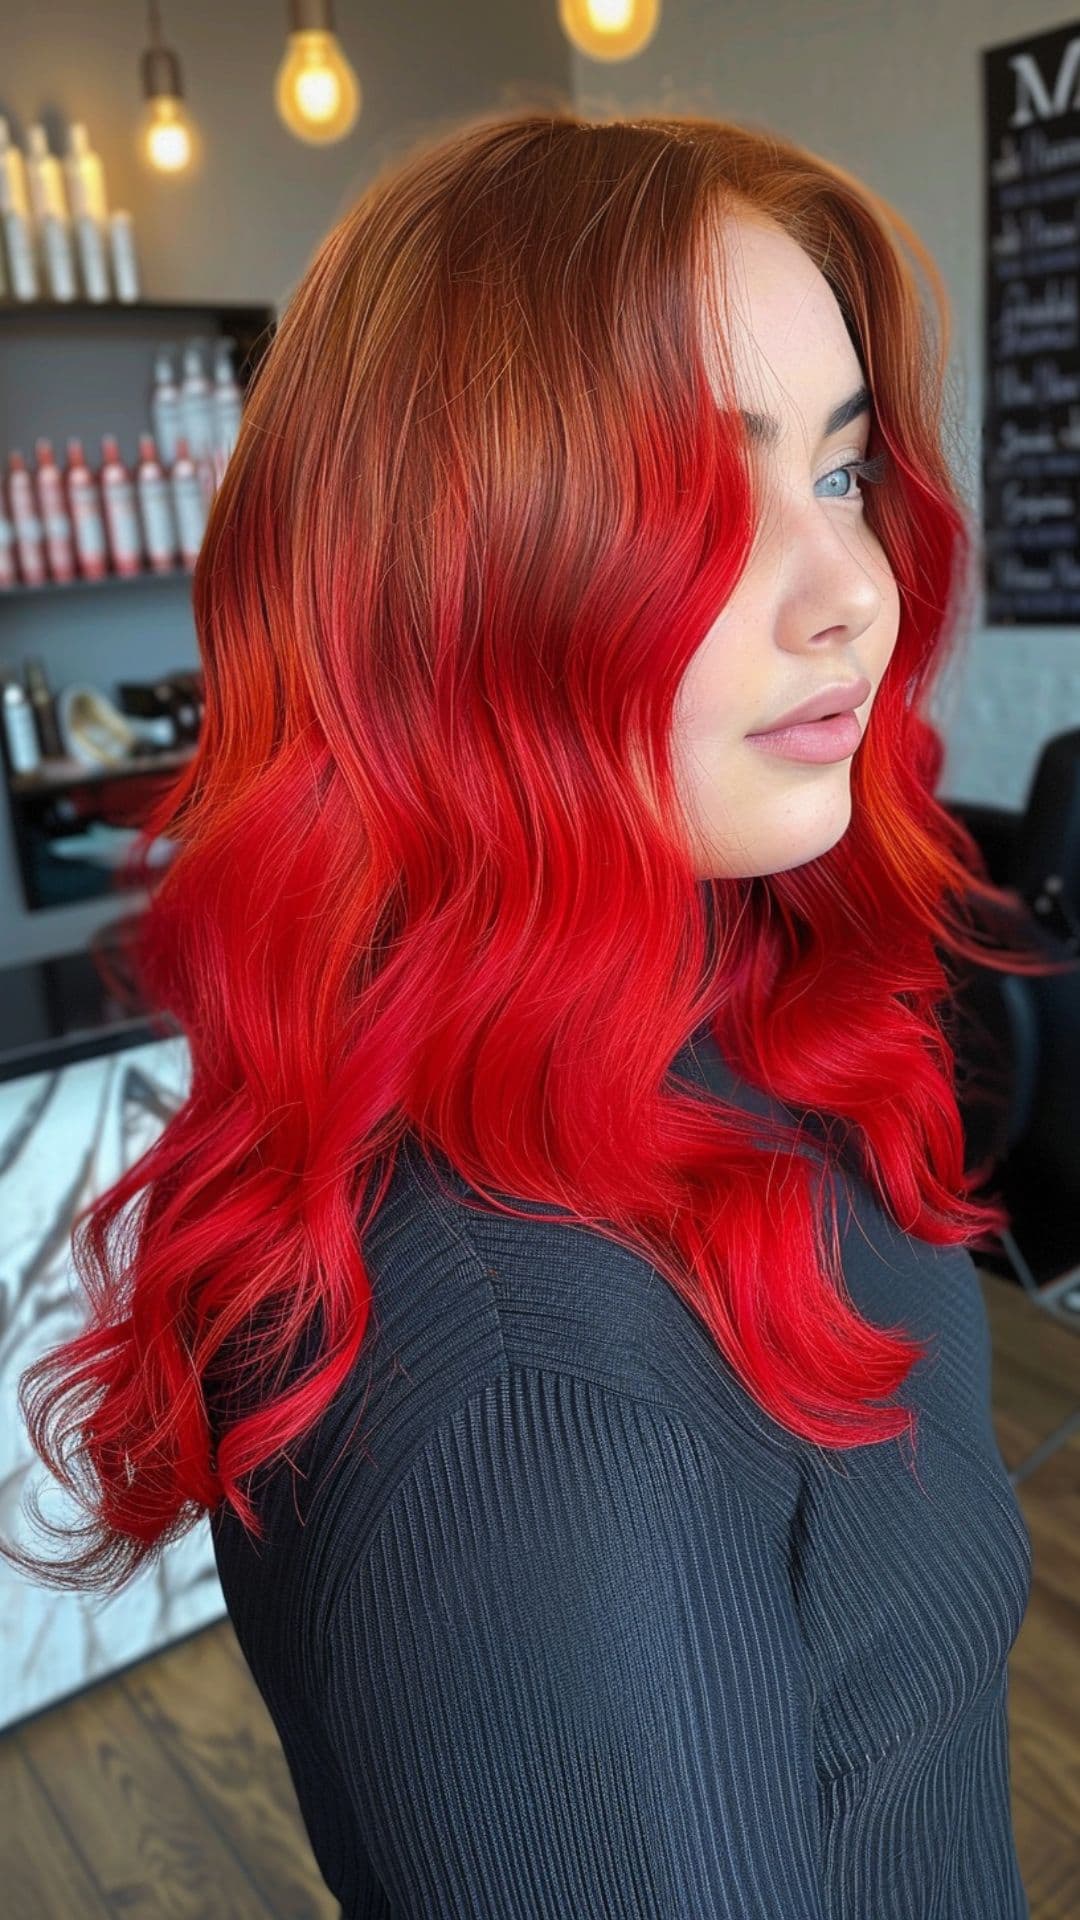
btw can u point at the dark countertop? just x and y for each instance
(56, 1011)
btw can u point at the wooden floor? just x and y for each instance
(163, 1791)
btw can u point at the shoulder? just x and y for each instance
(474, 1313)
(556, 1297)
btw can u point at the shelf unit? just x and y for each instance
(146, 577)
(39, 802)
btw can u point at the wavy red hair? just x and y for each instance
(431, 866)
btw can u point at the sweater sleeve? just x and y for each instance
(566, 1677)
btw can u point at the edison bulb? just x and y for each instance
(166, 135)
(317, 92)
(609, 29)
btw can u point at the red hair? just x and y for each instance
(483, 509)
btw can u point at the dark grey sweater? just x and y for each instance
(578, 1633)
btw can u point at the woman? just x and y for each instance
(521, 974)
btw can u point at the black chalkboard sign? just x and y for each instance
(1031, 418)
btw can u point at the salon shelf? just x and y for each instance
(54, 775)
(251, 324)
(147, 578)
(39, 340)
(31, 308)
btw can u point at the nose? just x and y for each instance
(830, 594)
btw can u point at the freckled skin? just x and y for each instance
(818, 601)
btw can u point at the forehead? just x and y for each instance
(789, 345)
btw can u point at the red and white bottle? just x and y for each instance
(120, 505)
(59, 541)
(206, 468)
(155, 507)
(29, 533)
(87, 519)
(189, 503)
(8, 575)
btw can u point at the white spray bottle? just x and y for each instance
(166, 407)
(86, 193)
(15, 216)
(228, 405)
(46, 181)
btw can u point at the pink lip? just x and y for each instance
(840, 697)
(818, 741)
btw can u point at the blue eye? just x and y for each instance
(871, 470)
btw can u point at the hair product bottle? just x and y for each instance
(189, 503)
(23, 746)
(121, 509)
(125, 263)
(29, 535)
(8, 574)
(49, 203)
(155, 507)
(59, 543)
(15, 215)
(86, 192)
(197, 399)
(228, 405)
(44, 706)
(166, 410)
(87, 519)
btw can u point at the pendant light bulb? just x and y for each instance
(317, 93)
(166, 136)
(609, 29)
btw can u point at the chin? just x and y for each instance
(779, 854)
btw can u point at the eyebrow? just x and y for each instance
(763, 428)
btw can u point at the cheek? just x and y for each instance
(885, 633)
(718, 698)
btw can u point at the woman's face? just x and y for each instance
(817, 603)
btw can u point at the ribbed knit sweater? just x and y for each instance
(577, 1632)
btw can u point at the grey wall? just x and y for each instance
(893, 93)
(242, 228)
(245, 226)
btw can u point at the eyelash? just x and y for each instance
(872, 470)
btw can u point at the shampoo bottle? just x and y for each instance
(49, 203)
(155, 507)
(29, 536)
(59, 541)
(86, 192)
(24, 748)
(87, 519)
(15, 215)
(166, 410)
(125, 264)
(189, 503)
(228, 404)
(197, 400)
(121, 510)
(44, 709)
(8, 575)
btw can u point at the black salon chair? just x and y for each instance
(1017, 1039)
